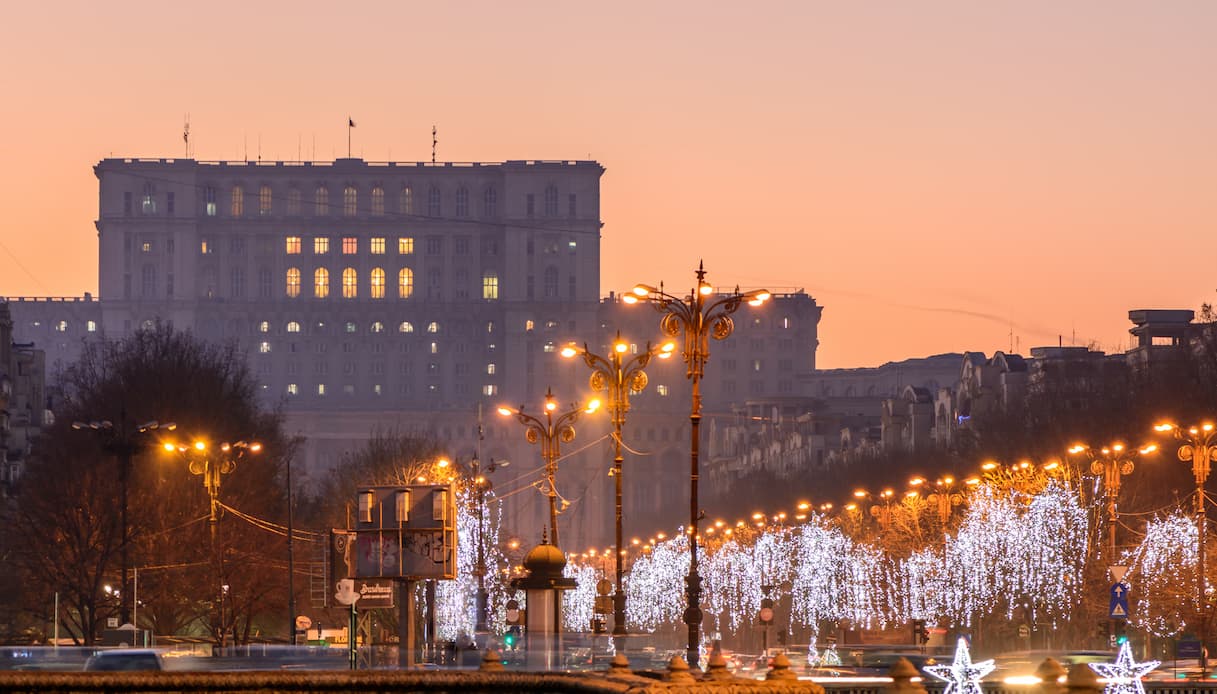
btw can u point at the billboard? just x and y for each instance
(404, 531)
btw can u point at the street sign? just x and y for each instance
(1119, 601)
(603, 586)
(1117, 573)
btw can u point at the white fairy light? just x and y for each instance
(1124, 675)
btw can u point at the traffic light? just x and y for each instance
(1121, 633)
(921, 634)
(511, 637)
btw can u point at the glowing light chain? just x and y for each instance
(1124, 675)
(962, 676)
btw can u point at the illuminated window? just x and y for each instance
(529, 325)
(293, 245)
(376, 245)
(435, 348)
(490, 286)
(350, 245)
(662, 390)
(490, 389)
(405, 245)
(148, 203)
(61, 326)
(350, 327)
(433, 327)
(146, 247)
(321, 202)
(490, 368)
(405, 203)
(293, 282)
(405, 283)
(264, 326)
(378, 283)
(549, 347)
(91, 326)
(209, 201)
(350, 283)
(405, 327)
(264, 347)
(321, 283)
(320, 389)
(551, 201)
(378, 201)
(238, 201)
(293, 202)
(462, 202)
(349, 200)
(264, 200)
(205, 246)
(321, 245)
(293, 389)
(377, 327)
(293, 327)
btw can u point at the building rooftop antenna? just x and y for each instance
(434, 142)
(186, 135)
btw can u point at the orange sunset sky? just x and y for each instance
(940, 176)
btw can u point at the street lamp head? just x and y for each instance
(1150, 448)
(571, 350)
(200, 446)
(643, 290)
(169, 446)
(592, 405)
(860, 493)
(1077, 448)
(1165, 426)
(705, 289)
(506, 411)
(667, 349)
(620, 347)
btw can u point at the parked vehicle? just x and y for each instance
(124, 659)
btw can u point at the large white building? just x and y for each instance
(411, 296)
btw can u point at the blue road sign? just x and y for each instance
(1119, 601)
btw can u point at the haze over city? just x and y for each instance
(941, 176)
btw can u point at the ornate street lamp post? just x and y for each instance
(211, 463)
(619, 377)
(124, 442)
(1109, 464)
(698, 316)
(550, 432)
(1198, 449)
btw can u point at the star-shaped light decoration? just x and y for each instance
(962, 676)
(1124, 675)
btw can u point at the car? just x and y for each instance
(124, 659)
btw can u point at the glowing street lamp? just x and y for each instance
(551, 432)
(1197, 448)
(618, 377)
(698, 316)
(211, 463)
(1109, 464)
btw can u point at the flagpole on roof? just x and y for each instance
(350, 126)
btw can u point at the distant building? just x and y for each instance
(409, 295)
(23, 411)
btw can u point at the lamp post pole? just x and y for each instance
(211, 468)
(1197, 448)
(1109, 464)
(480, 484)
(697, 316)
(123, 443)
(618, 377)
(550, 433)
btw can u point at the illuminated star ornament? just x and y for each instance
(962, 676)
(1124, 675)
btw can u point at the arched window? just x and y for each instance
(238, 201)
(378, 283)
(405, 283)
(377, 327)
(293, 202)
(405, 203)
(433, 206)
(378, 201)
(433, 327)
(321, 206)
(405, 327)
(293, 327)
(293, 282)
(321, 283)
(350, 283)
(462, 202)
(551, 282)
(350, 200)
(490, 202)
(264, 200)
(551, 201)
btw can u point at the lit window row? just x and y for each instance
(293, 245)
(432, 328)
(320, 206)
(376, 284)
(293, 389)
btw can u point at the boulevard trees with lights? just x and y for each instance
(67, 512)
